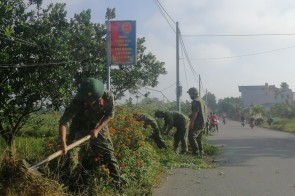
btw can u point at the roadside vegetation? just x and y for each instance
(44, 57)
(141, 162)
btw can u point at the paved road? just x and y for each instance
(254, 162)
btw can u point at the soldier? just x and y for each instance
(150, 121)
(197, 122)
(180, 122)
(89, 112)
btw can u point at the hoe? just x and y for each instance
(33, 169)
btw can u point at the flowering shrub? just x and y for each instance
(137, 158)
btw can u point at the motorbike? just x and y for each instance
(252, 125)
(214, 125)
(243, 123)
(224, 120)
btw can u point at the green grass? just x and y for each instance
(286, 125)
(41, 132)
(27, 147)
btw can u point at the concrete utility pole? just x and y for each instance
(200, 85)
(178, 87)
(108, 66)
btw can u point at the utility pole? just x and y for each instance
(108, 66)
(178, 87)
(199, 85)
(206, 96)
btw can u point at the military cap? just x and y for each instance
(193, 91)
(90, 90)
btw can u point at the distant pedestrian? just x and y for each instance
(150, 121)
(180, 122)
(197, 122)
(269, 120)
(252, 121)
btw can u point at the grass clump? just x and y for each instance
(16, 180)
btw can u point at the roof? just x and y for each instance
(260, 87)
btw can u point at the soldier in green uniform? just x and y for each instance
(197, 123)
(89, 112)
(180, 122)
(150, 121)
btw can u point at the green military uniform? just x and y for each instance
(150, 121)
(180, 122)
(84, 118)
(196, 133)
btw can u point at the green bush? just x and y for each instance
(140, 161)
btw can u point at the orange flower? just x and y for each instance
(106, 170)
(139, 163)
(132, 153)
(126, 130)
(128, 140)
(119, 156)
(123, 166)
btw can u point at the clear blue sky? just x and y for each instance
(223, 62)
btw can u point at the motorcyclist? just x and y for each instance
(224, 118)
(214, 122)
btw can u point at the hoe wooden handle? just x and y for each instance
(58, 153)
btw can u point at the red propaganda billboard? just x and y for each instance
(123, 42)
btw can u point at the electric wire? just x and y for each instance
(244, 55)
(187, 57)
(169, 87)
(20, 65)
(15, 39)
(239, 35)
(164, 14)
(165, 11)
(184, 69)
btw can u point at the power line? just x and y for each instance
(239, 35)
(168, 87)
(187, 57)
(165, 14)
(165, 11)
(20, 65)
(244, 55)
(18, 40)
(159, 92)
(184, 69)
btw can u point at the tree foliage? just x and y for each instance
(44, 56)
(211, 101)
(230, 105)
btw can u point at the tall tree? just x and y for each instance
(230, 105)
(211, 101)
(44, 57)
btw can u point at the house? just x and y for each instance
(265, 95)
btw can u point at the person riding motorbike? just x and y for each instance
(224, 118)
(214, 122)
